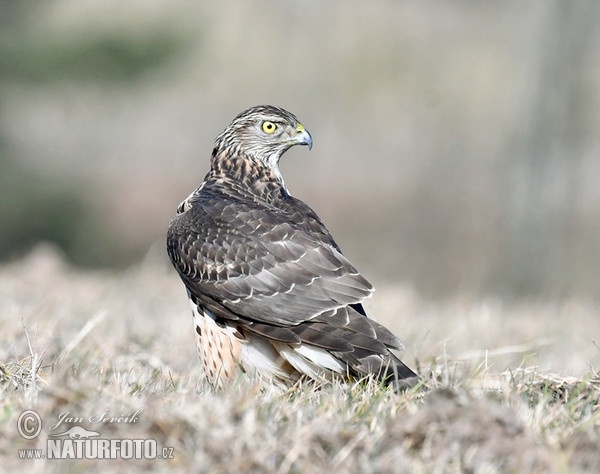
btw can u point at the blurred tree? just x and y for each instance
(543, 178)
(34, 208)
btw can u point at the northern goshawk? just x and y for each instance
(271, 292)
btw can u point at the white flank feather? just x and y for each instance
(311, 361)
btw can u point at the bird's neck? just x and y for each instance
(248, 175)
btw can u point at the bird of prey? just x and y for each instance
(271, 293)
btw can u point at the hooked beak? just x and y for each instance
(302, 137)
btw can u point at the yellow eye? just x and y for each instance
(269, 127)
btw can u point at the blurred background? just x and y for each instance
(457, 144)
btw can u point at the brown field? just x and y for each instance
(456, 151)
(508, 388)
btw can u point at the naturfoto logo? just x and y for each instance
(78, 442)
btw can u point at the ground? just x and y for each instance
(506, 387)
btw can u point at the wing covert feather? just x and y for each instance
(261, 265)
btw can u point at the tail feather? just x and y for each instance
(388, 368)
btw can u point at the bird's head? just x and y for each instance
(263, 132)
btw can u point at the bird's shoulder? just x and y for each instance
(224, 209)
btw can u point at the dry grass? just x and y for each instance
(86, 343)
